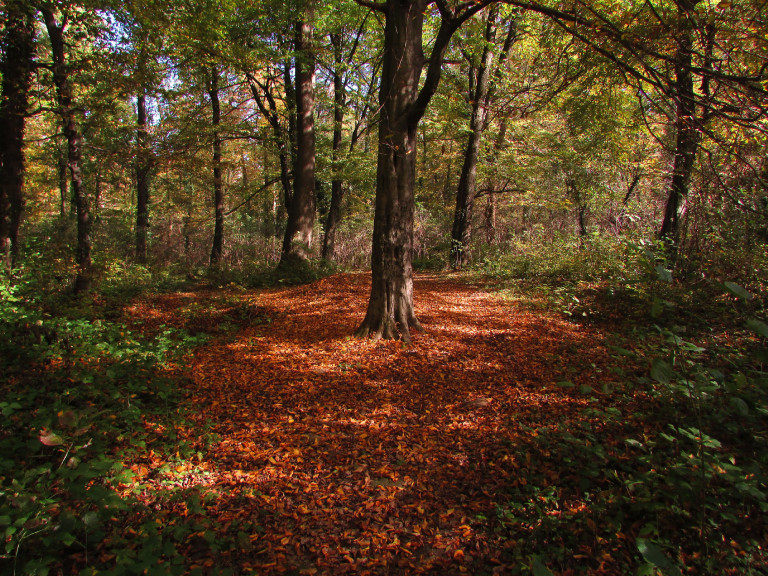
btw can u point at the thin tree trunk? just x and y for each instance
(337, 188)
(490, 208)
(465, 193)
(74, 150)
(268, 108)
(19, 46)
(143, 165)
(297, 242)
(96, 204)
(490, 219)
(574, 192)
(64, 196)
(447, 190)
(481, 97)
(218, 188)
(686, 139)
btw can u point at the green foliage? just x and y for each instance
(697, 474)
(72, 387)
(255, 275)
(560, 259)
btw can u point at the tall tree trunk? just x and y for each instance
(686, 138)
(301, 213)
(143, 166)
(218, 188)
(447, 180)
(490, 219)
(337, 188)
(574, 192)
(18, 50)
(74, 138)
(480, 95)
(402, 104)
(465, 193)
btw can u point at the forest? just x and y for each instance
(384, 287)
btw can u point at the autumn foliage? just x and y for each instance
(504, 439)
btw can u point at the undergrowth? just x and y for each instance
(74, 388)
(679, 476)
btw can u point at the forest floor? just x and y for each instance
(472, 449)
(231, 431)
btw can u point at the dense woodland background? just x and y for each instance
(563, 129)
(599, 166)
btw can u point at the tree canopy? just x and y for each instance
(383, 286)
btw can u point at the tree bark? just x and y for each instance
(465, 193)
(218, 188)
(18, 50)
(143, 167)
(686, 137)
(337, 187)
(64, 197)
(301, 212)
(402, 104)
(480, 97)
(74, 137)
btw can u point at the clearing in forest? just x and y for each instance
(471, 450)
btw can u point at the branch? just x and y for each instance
(244, 202)
(379, 7)
(489, 191)
(448, 25)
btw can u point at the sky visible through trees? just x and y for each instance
(598, 165)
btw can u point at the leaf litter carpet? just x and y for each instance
(320, 453)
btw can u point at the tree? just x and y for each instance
(142, 51)
(143, 168)
(353, 74)
(337, 186)
(18, 45)
(301, 210)
(702, 65)
(402, 103)
(69, 113)
(481, 90)
(685, 122)
(218, 188)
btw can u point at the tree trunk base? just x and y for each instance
(82, 283)
(389, 327)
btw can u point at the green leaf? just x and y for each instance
(622, 351)
(663, 273)
(51, 439)
(539, 569)
(657, 307)
(758, 327)
(91, 519)
(654, 555)
(566, 384)
(736, 290)
(740, 406)
(584, 389)
(661, 371)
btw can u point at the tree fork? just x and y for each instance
(403, 100)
